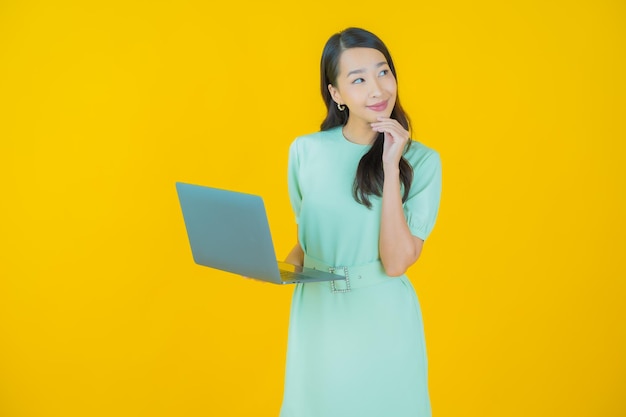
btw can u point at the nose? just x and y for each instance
(374, 88)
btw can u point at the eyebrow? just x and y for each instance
(362, 70)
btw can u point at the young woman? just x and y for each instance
(365, 198)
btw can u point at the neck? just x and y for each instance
(360, 133)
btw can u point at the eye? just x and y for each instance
(358, 81)
(383, 72)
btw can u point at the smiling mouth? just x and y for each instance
(379, 106)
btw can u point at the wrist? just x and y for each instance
(391, 169)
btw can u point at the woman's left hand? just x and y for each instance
(396, 138)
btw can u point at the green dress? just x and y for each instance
(357, 352)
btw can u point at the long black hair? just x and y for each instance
(369, 174)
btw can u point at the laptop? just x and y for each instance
(229, 231)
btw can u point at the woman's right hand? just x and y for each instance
(296, 256)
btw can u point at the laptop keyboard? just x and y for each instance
(289, 276)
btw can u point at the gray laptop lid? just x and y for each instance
(228, 230)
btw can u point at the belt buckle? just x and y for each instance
(346, 273)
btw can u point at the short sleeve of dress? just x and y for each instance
(422, 205)
(293, 167)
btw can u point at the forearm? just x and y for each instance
(398, 248)
(296, 256)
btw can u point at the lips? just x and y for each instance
(379, 106)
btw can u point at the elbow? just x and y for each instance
(398, 267)
(394, 271)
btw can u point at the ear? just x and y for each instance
(334, 93)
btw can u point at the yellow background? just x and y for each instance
(104, 105)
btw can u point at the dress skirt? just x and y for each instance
(357, 352)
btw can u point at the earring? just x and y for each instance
(341, 107)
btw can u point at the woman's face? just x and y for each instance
(365, 84)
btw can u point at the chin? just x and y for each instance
(381, 114)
